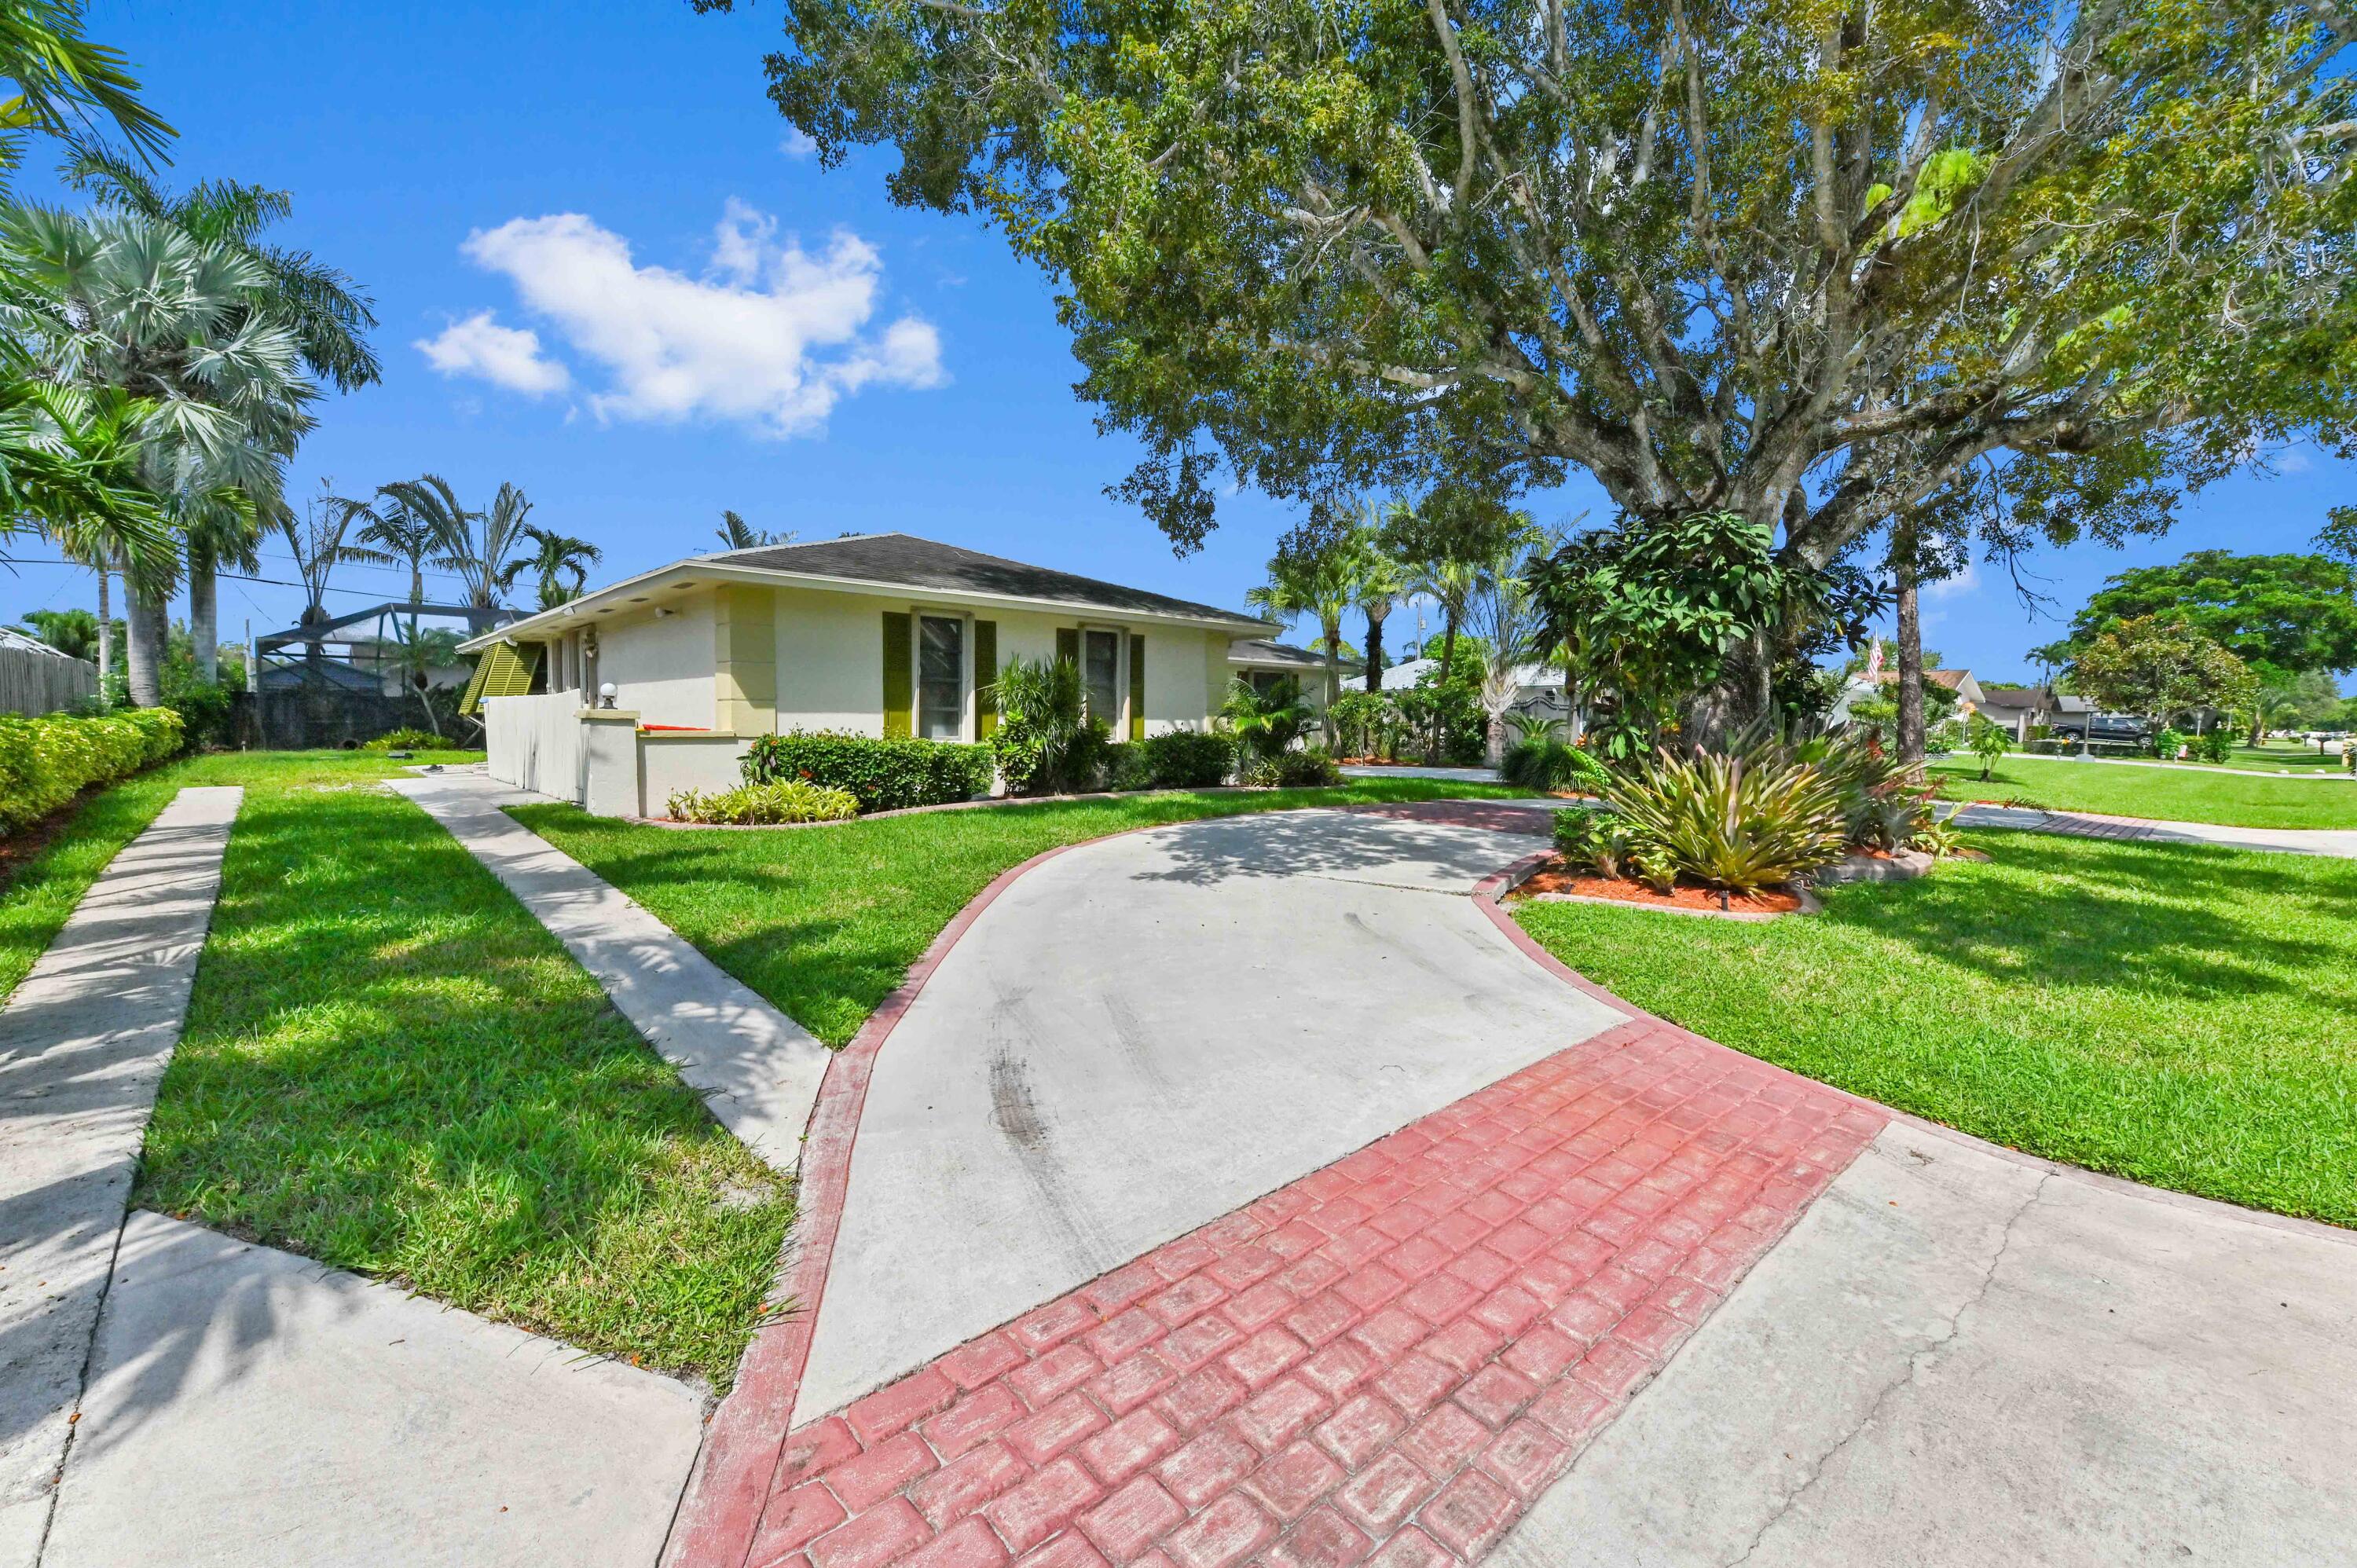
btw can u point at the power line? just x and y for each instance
(226, 576)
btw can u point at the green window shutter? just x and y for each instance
(1138, 688)
(505, 670)
(1068, 643)
(986, 679)
(899, 682)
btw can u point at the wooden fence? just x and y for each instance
(33, 682)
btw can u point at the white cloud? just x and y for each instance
(508, 357)
(797, 146)
(772, 336)
(1965, 582)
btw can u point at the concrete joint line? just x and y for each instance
(1918, 1364)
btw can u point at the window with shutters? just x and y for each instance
(940, 678)
(1100, 673)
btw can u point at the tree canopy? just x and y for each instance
(1812, 265)
(2155, 666)
(2280, 615)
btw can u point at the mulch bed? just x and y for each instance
(1557, 877)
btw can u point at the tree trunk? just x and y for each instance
(1334, 681)
(204, 612)
(105, 635)
(1494, 741)
(144, 668)
(1447, 662)
(1374, 651)
(1911, 650)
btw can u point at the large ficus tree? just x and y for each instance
(1808, 261)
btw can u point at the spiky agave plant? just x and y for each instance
(1738, 823)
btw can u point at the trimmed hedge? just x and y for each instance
(45, 762)
(789, 800)
(885, 775)
(1189, 759)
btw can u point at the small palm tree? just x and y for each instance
(417, 655)
(1382, 586)
(1268, 719)
(1316, 571)
(559, 561)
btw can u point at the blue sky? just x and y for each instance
(890, 369)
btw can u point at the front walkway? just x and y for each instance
(2339, 842)
(170, 1394)
(1438, 1347)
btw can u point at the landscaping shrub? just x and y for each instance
(1189, 759)
(1989, 743)
(1309, 768)
(1127, 768)
(1597, 841)
(2169, 742)
(45, 762)
(2217, 745)
(1266, 721)
(785, 801)
(406, 740)
(1884, 803)
(883, 774)
(1547, 762)
(1047, 744)
(1366, 724)
(1741, 823)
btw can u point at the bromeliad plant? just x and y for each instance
(1739, 823)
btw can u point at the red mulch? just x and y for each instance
(1557, 877)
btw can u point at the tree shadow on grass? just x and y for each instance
(2182, 920)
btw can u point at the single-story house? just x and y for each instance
(1883, 684)
(2017, 708)
(1261, 662)
(662, 681)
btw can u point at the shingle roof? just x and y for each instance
(907, 561)
(1269, 650)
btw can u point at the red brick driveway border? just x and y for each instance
(1384, 1361)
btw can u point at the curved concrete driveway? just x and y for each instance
(1150, 1032)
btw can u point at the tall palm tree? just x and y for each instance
(555, 557)
(738, 535)
(478, 545)
(393, 534)
(65, 82)
(328, 315)
(1315, 574)
(77, 477)
(126, 303)
(1382, 586)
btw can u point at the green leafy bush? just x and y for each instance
(406, 740)
(1046, 743)
(1597, 841)
(2216, 746)
(1189, 759)
(1266, 721)
(785, 801)
(1741, 823)
(1989, 743)
(2169, 742)
(1547, 762)
(1366, 724)
(45, 762)
(1311, 768)
(883, 774)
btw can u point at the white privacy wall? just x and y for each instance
(535, 743)
(661, 665)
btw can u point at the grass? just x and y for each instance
(2177, 1015)
(36, 897)
(390, 1066)
(2230, 799)
(2294, 760)
(825, 923)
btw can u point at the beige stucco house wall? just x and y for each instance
(707, 654)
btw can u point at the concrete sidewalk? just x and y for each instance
(83, 1043)
(247, 1406)
(1963, 1356)
(2338, 842)
(757, 1069)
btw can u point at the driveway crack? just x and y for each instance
(1919, 1363)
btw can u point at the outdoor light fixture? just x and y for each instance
(605, 695)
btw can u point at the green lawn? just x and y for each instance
(2286, 758)
(390, 1066)
(826, 921)
(2184, 1017)
(38, 897)
(2228, 797)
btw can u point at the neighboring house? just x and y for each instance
(1261, 662)
(1881, 684)
(2017, 709)
(662, 681)
(1538, 688)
